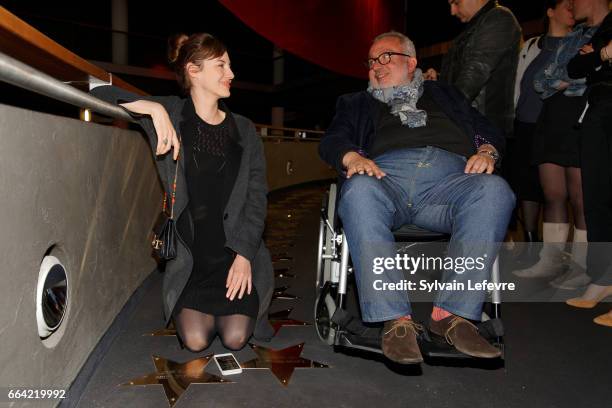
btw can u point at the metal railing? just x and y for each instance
(288, 134)
(24, 76)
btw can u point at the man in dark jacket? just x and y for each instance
(482, 60)
(416, 152)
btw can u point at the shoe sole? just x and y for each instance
(606, 322)
(406, 361)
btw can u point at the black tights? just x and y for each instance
(197, 330)
(560, 184)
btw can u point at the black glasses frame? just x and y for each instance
(369, 63)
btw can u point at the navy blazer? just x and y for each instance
(353, 129)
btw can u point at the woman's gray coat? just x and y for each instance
(244, 215)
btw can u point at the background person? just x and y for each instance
(595, 63)
(557, 154)
(534, 55)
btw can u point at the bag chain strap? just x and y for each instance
(173, 188)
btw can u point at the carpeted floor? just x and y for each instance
(555, 356)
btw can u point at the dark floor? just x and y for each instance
(555, 355)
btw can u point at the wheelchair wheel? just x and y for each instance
(320, 249)
(325, 247)
(325, 307)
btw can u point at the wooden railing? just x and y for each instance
(25, 43)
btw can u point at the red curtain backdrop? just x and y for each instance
(335, 34)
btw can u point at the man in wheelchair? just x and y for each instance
(416, 152)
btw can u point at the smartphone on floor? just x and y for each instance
(228, 364)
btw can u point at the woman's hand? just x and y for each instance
(166, 135)
(586, 49)
(562, 86)
(606, 52)
(239, 278)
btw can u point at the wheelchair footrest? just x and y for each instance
(354, 326)
(346, 339)
(491, 329)
(352, 333)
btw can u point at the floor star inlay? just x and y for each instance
(281, 318)
(282, 363)
(176, 377)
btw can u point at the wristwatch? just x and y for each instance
(491, 153)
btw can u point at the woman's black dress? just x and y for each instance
(557, 139)
(212, 159)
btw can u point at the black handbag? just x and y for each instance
(164, 231)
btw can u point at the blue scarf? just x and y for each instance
(402, 100)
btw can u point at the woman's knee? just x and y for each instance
(196, 342)
(235, 341)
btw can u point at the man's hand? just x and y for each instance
(356, 163)
(481, 162)
(430, 75)
(239, 278)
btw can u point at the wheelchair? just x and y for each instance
(337, 327)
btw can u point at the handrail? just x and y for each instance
(19, 74)
(18, 38)
(55, 64)
(289, 129)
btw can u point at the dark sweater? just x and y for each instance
(439, 131)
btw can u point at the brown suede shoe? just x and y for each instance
(399, 341)
(464, 336)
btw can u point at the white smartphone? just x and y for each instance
(228, 364)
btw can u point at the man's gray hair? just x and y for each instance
(404, 40)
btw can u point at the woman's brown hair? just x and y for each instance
(183, 49)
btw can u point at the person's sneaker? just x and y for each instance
(574, 278)
(464, 336)
(399, 341)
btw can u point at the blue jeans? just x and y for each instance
(426, 187)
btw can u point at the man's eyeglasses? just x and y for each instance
(383, 59)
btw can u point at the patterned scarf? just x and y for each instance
(402, 100)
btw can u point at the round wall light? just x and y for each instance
(51, 296)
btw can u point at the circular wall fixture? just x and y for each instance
(51, 296)
(289, 167)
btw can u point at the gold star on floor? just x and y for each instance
(281, 318)
(281, 362)
(279, 293)
(176, 377)
(170, 330)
